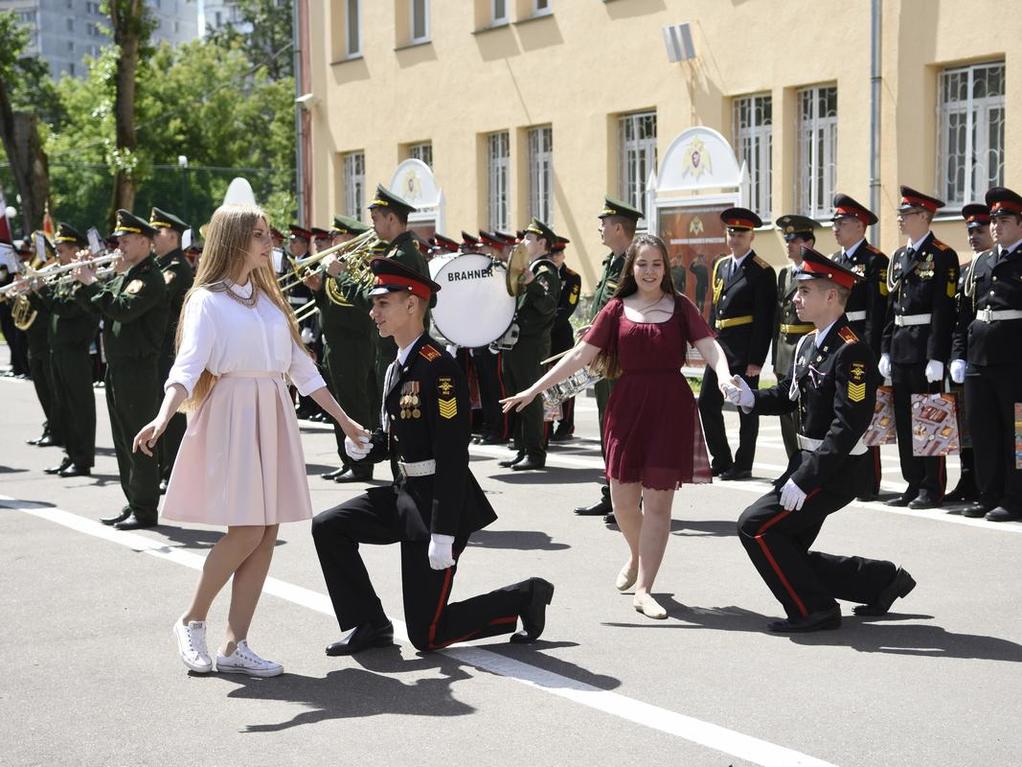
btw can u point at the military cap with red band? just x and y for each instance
(468, 242)
(560, 244)
(816, 266)
(912, 200)
(394, 277)
(740, 218)
(298, 233)
(276, 234)
(848, 207)
(976, 214)
(445, 244)
(1004, 202)
(491, 240)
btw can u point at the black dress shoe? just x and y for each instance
(48, 441)
(598, 509)
(562, 436)
(867, 497)
(507, 463)
(533, 615)
(976, 510)
(902, 584)
(925, 501)
(490, 439)
(64, 463)
(530, 463)
(964, 492)
(135, 522)
(902, 500)
(164, 484)
(718, 470)
(74, 470)
(1001, 514)
(125, 513)
(333, 474)
(351, 474)
(377, 634)
(734, 473)
(37, 440)
(821, 620)
(610, 519)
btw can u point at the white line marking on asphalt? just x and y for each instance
(696, 731)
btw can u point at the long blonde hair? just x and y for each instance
(228, 240)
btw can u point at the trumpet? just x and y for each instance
(355, 253)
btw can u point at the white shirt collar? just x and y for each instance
(855, 247)
(822, 334)
(404, 351)
(918, 243)
(1011, 247)
(738, 261)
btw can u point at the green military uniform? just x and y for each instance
(39, 364)
(789, 329)
(178, 276)
(349, 351)
(537, 308)
(134, 310)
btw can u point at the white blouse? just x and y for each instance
(222, 335)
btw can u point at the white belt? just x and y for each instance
(808, 443)
(425, 468)
(298, 300)
(855, 316)
(901, 320)
(993, 315)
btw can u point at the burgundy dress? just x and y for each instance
(651, 429)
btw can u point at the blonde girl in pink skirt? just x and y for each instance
(241, 463)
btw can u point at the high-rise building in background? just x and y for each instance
(64, 32)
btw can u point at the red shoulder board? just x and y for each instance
(847, 335)
(429, 353)
(873, 249)
(939, 245)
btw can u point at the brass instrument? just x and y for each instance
(356, 253)
(517, 263)
(22, 312)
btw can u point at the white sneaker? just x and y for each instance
(244, 661)
(191, 643)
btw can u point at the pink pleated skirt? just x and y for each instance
(241, 459)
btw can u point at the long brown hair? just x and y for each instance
(228, 240)
(626, 284)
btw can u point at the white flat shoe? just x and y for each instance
(626, 578)
(645, 604)
(191, 644)
(244, 661)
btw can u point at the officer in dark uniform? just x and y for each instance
(487, 361)
(867, 307)
(989, 341)
(562, 336)
(71, 328)
(744, 302)
(348, 348)
(133, 306)
(15, 337)
(922, 280)
(797, 231)
(833, 386)
(701, 273)
(434, 505)
(537, 306)
(618, 221)
(179, 276)
(977, 225)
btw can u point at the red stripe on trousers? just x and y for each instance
(773, 562)
(444, 591)
(473, 634)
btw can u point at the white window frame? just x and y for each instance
(423, 151)
(412, 6)
(983, 116)
(817, 152)
(545, 9)
(498, 180)
(353, 30)
(504, 18)
(353, 165)
(752, 128)
(541, 173)
(637, 156)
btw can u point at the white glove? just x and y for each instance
(308, 336)
(440, 554)
(934, 371)
(357, 450)
(885, 365)
(958, 371)
(738, 392)
(792, 496)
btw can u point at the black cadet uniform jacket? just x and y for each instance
(744, 300)
(920, 284)
(430, 418)
(836, 392)
(537, 303)
(178, 276)
(868, 295)
(993, 283)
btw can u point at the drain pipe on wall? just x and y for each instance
(876, 9)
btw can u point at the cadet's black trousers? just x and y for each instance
(778, 542)
(132, 400)
(711, 404)
(41, 369)
(72, 388)
(491, 390)
(432, 621)
(991, 392)
(921, 474)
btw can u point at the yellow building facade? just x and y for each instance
(526, 107)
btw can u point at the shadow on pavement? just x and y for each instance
(525, 540)
(190, 538)
(533, 656)
(11, 470)
(549, 476)
(714, 528)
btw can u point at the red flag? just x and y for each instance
(5, 226)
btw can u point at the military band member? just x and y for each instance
(744, 302)
(618, 221)
(488, 362)
(562, 336)
(133, 306)
(71, 329)
(179, 276)
(988, 356)
(469, 242)
(833, 386)
(432, 509)
(537, 306)
(867, 307)
(922, 280)
(17, 344)
(797, 231)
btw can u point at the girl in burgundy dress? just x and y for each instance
(653, 439)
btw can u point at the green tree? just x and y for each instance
(265, 33)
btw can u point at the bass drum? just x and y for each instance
(473, 307)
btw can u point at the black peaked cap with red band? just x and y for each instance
(298, 233)
(1004, 202)
(445, 244)
(740, 218)
(816, 266)
(976, 214)
(913, 200)
(849, 207)
(394, 277)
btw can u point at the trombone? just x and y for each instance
(353, 252)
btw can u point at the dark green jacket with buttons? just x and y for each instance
(71, 324)
(612, 266)
(178, 276)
